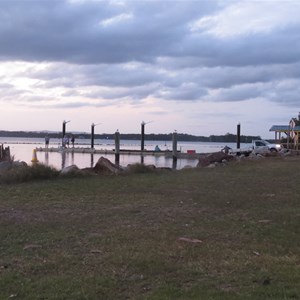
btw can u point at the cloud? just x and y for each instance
(92, 32)
(249, 17)
(72, 54)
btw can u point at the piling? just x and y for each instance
(64, 129)
(174, 147)
(92, 135)
(142, 136)
(4, 153)
(238, 137)
(117, 147)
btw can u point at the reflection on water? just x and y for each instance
(92, 160)
(63, 159)
(46, 158)
(72, 158)
(174, 165)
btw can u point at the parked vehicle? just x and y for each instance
(258, 146)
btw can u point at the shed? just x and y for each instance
(279, 129)
(292, 132)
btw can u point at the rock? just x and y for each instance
(31, 246)
(207, 159)
(88, 171)
(190, 240)
(104, 165)
(5, 166)
(19, 164)
(140, 168)
(73, 169)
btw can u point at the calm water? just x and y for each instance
(22, 149)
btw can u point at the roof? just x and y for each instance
(284, 128)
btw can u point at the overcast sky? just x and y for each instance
(198, 67)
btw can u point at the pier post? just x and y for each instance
(64, 131)
(174, 148)
(238, 137)
(92, 135)
(142, 135)
(117, 147)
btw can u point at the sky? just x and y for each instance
(195, 66)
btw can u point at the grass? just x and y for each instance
(224, 233)
(27, 173)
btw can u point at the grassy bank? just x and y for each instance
(224, 233)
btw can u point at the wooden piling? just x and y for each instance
(174, 146)
(92, 135)
(238, 137)
(64, 129)
(4, 153)
(117, 147)
(142, 136)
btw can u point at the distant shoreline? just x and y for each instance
(227, 138)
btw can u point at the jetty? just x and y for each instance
(166, 153)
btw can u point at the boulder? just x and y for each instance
(73, 169)
(5, 165)
(105, 166)
(19, 164)
(9, 165)
(217, 157)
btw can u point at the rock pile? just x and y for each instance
(212, 158)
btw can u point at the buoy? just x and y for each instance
(34, 157)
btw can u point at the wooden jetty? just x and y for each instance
(166, 153)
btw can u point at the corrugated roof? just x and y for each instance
(280, 128)
(284, 128)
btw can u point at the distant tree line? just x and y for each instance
(227, 138)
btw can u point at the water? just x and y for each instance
(22, 149)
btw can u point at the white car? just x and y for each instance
(260, 146)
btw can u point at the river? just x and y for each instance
(22, 149)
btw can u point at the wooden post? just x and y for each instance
(238, 137)
(174, 146)
(4, 153)
(92, 135)
(142, 135)
(117, 147)
(64, 129)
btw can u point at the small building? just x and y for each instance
(292, 132)
(295, 131)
